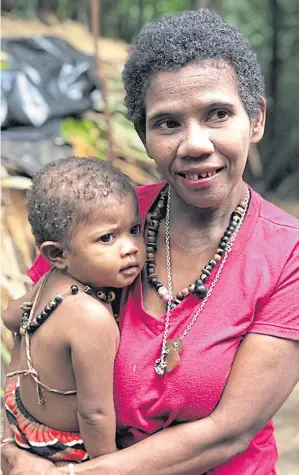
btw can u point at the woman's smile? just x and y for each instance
(197, 178)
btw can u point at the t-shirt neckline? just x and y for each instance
(191, 304)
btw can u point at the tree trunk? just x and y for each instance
(47, 4)
(140, 14)
(95, 14)
(275, 65)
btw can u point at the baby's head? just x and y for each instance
(84, 217)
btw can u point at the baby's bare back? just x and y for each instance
(52, 359)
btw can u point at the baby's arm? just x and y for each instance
(94, 340)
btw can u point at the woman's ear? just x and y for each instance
(258, 123)
(140, 129)
(55, 253)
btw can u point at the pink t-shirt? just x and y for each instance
(258, 291)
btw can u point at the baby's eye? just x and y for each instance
(106, 238)
(135, 230)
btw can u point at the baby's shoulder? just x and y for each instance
(87, 321)
(87, 310)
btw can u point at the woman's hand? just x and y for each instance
(19, 462)
(58, 471)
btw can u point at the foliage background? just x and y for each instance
(272, 27)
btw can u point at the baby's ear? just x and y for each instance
(55, 254)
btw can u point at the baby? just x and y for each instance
(85, 220)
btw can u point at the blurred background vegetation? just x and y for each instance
(272, 27)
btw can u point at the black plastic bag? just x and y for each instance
(46, 77)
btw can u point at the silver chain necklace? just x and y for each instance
(173, 349)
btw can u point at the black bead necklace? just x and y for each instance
(30, 325)
(199, 286)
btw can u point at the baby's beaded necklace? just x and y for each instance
(171, 348)
(30, 322)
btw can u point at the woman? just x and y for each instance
(209, 335)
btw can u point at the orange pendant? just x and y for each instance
(172, 359)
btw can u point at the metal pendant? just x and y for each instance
(160, 365)
(174, 348)
(170, 357)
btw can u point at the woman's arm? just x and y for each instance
(20, 462)
(265, 371)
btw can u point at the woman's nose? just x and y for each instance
(196, 142)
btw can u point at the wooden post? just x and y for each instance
(95, 25)
(202, 4)
(216, 5)
(47, 4)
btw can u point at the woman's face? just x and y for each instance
(198, 131)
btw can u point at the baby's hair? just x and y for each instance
(66, 192)
(191, 37)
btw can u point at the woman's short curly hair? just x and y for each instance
(193, 36)
(66, 192)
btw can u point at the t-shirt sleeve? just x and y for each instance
(279, 315)
(38, 268)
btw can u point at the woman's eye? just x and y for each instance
(106, 238)
(135, 230)
(167, 124)
(220, 114)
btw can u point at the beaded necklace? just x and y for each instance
(199, 286)
(171, 348)
(30, 323)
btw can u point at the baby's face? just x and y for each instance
(108, 251)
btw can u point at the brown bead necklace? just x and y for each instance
(199, 287)
(171, 348)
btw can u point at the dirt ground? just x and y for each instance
(287, 435)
